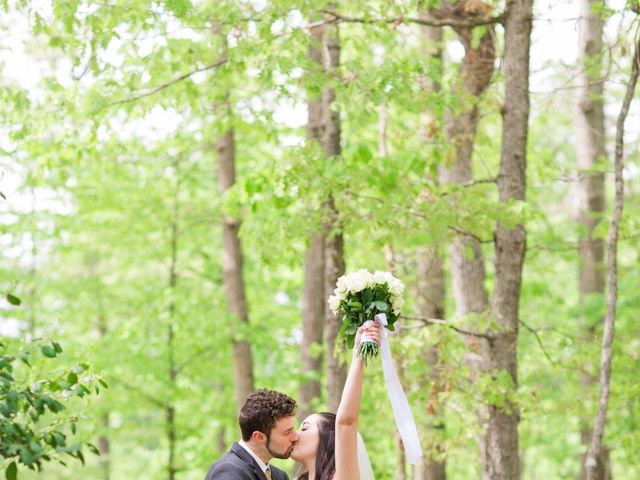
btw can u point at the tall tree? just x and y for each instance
(467, 259)
(590, 151)
(232, 265)
(334, 240)
(430, 294)
(503, 455)
(430, 300)
(314, 299)
(172, 373)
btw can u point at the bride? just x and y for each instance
(329, 446)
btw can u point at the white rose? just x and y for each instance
(396, 287)
(397, 303)
(379, 277)
(359, 280)
(334, 303)
(341, 286)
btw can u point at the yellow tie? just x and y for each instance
(267, 473)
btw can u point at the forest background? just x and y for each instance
(183, 182)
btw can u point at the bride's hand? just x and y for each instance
(372, 331)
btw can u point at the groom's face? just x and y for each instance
(282, 438)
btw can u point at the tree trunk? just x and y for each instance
(33, 274)
(334, 244)
(590, 149)
(103, 448)
(170, 411)
(314, 301)
(91, 263)
(430, 296)
(430, 300)
(502, 435)
(233, 276)
(595, 446)
(467, 260)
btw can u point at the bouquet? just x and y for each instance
(359, 297)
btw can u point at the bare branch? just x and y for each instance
(465, 233)
(163, 86)
(427, 21)
(150, 398)
(439, 321)
(535, 333)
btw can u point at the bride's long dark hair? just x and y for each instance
(326, 454)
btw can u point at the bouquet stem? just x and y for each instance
(368, 350)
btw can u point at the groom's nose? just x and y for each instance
(294, 436)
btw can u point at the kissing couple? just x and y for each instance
(327, 446)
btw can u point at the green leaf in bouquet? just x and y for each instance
(351, 329)
(350, 339)
(368, 295)
(343, 327)
(382, 306)
(353, 305)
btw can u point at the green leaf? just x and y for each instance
(11, 473)
(178, 7)
(93, 448)
(57, 347)
(382, 306)
(72, 378)
(13, 300)
(48, 351)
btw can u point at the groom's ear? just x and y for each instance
(258, 437)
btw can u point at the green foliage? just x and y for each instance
(35, 426)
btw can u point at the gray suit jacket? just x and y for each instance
(237, 464)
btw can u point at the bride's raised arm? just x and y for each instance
(346, 450)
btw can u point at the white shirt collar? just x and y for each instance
(258, 460)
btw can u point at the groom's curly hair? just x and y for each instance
(262, 409)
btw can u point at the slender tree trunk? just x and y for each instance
(467, 260)
(33, 290)
(430, 296)
(103, 448)
(401, 457)
(502, 435)
(103, 439)
(221, 441)
(590, 149)
(170, 410)
(430, 300)
(595, 446)
(314, 300)
(232, 274)
(232, 258)
(334, 243)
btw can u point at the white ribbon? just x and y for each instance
(399, 403)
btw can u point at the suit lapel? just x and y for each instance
(249, 460)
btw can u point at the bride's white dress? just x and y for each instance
(366, 472)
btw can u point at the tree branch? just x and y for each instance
(427, 21)
(166, 85)
(468, 234)
(535, 333)
(439, 321)
(142, 393)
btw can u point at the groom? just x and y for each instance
(267, 425)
